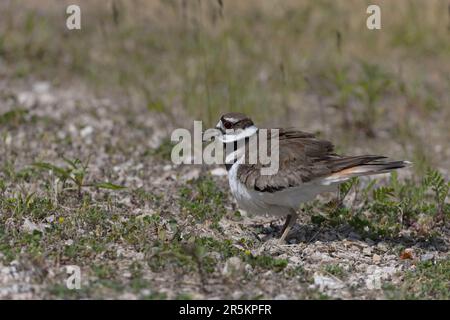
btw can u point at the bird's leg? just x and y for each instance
(286, 223)
(290, 221)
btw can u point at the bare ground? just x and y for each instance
(142, 242)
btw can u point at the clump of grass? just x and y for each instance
(27, 204)
(436, 182)
(227, 250)
(268, 262)
(364, 87)
(13, 118)
(372, 85)
(204, 254)
(142, 196)
(203, 200)
(387, 210)
(345, 89)
(335, 270)
(428, 280)
(75, 171)
(163, 151)
(61, 291)
(296, 271)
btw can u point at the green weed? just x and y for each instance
(203, 200)
(391, 208)
(428, 280)
(75, 171)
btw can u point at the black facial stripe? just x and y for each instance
(240, 124)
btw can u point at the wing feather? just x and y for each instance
(302, 158)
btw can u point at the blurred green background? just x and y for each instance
(310, 64)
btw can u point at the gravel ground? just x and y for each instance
(318, 262)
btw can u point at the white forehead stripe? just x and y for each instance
(238, 135)
(233, 120)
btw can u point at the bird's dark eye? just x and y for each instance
(227, 125)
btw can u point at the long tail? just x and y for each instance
(363, 166)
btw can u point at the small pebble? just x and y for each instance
(376, 258)
(427, 257)
(382, 247)
(367, 251)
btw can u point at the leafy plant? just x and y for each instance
(13, 117)
(389, 209)
(163, 151)
(75, 171)
(428, 280)
(436, 182)
(335, 270)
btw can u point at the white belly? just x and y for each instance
(274, 203)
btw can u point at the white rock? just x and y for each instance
(8, 139)
(367, 251)
(41, 87)
(145, 292)
(127, 296)
(237, 295)
(86, 131)
(268, 274)
(324, 282)
(296, 260)
(125, 201)
(29, 226)
(26, 99)
(382, 247)
(191, 175)
(219, 172)
(376, 258)
(319, 256)
(426, 257)
(233, 266)
(376, 275)
(243, 213)
(373, 282)
(46, 99)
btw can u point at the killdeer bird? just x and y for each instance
(307, 166)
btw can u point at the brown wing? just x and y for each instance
(302, 158)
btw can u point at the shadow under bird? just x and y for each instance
(308, 166)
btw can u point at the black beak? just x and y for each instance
(221, 130)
